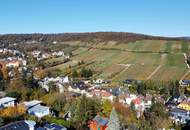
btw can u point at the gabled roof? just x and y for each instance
(54, 127)
(38, 108)
(186, 81)
(20, 125)
(137, 101)
(129, 81)
(6, 100)
(32, 103)
(178, 110)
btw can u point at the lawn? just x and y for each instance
(173, 68)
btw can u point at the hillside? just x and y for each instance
(118, 56)
(161, 60)
(86, 37)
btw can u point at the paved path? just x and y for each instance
(185, 75)
(126, 67)
(156, 70)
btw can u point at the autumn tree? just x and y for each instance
(106, 107)
(5, 72)
(13, 112)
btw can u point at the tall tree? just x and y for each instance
(2, 83)
(107, 107)
(114, 123)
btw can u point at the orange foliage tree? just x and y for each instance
(11, 112)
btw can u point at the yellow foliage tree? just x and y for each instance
(13, 111)
(5, 72)
(107, 107)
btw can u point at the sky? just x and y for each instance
(154, 17)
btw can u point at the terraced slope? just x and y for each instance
(145, 59)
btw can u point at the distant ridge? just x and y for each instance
(89, 36)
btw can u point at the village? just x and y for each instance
(177, 106)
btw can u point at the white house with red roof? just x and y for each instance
(101, 93)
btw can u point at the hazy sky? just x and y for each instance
(155, 17)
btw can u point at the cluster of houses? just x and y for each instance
(31, 125)
(184, 83)
(39, 55)
(179, 108)
(57, 82)
(14, 52)
(17, 61)
(33, 108)
(14, 62)
(141, 103)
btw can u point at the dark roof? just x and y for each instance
(48, 126)
(40, 128)
(114, 91)
(186, 81)
(20, 125)
(129, 81)
(58, 127)
(178, 110)
(80, 85)
(54, 127)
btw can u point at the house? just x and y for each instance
(7, 102)
(98, 81)
(36, 53)
(13, 63)
(100, 93)
(20, 125)
(147, 101)
(184, 105)
(75, 89)
(139, 106)
(58, 82)
(173, 101)
(58, 54)
(54, 127)
(127, 98)
(60, 87)
(114, 91)
(129, 82)
(36, 109)
(98, 123)
(54, 42)
(180, 115)
(45, 56)
(184, 83)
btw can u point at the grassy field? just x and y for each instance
(109, 60)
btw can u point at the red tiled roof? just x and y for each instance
(136, 101)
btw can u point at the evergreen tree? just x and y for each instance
(2, 83)
(75, 74)
(114, 123)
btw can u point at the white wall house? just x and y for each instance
(13, 64)
(34, 108)
(7, 102)
(39, 111)
(77, 90)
